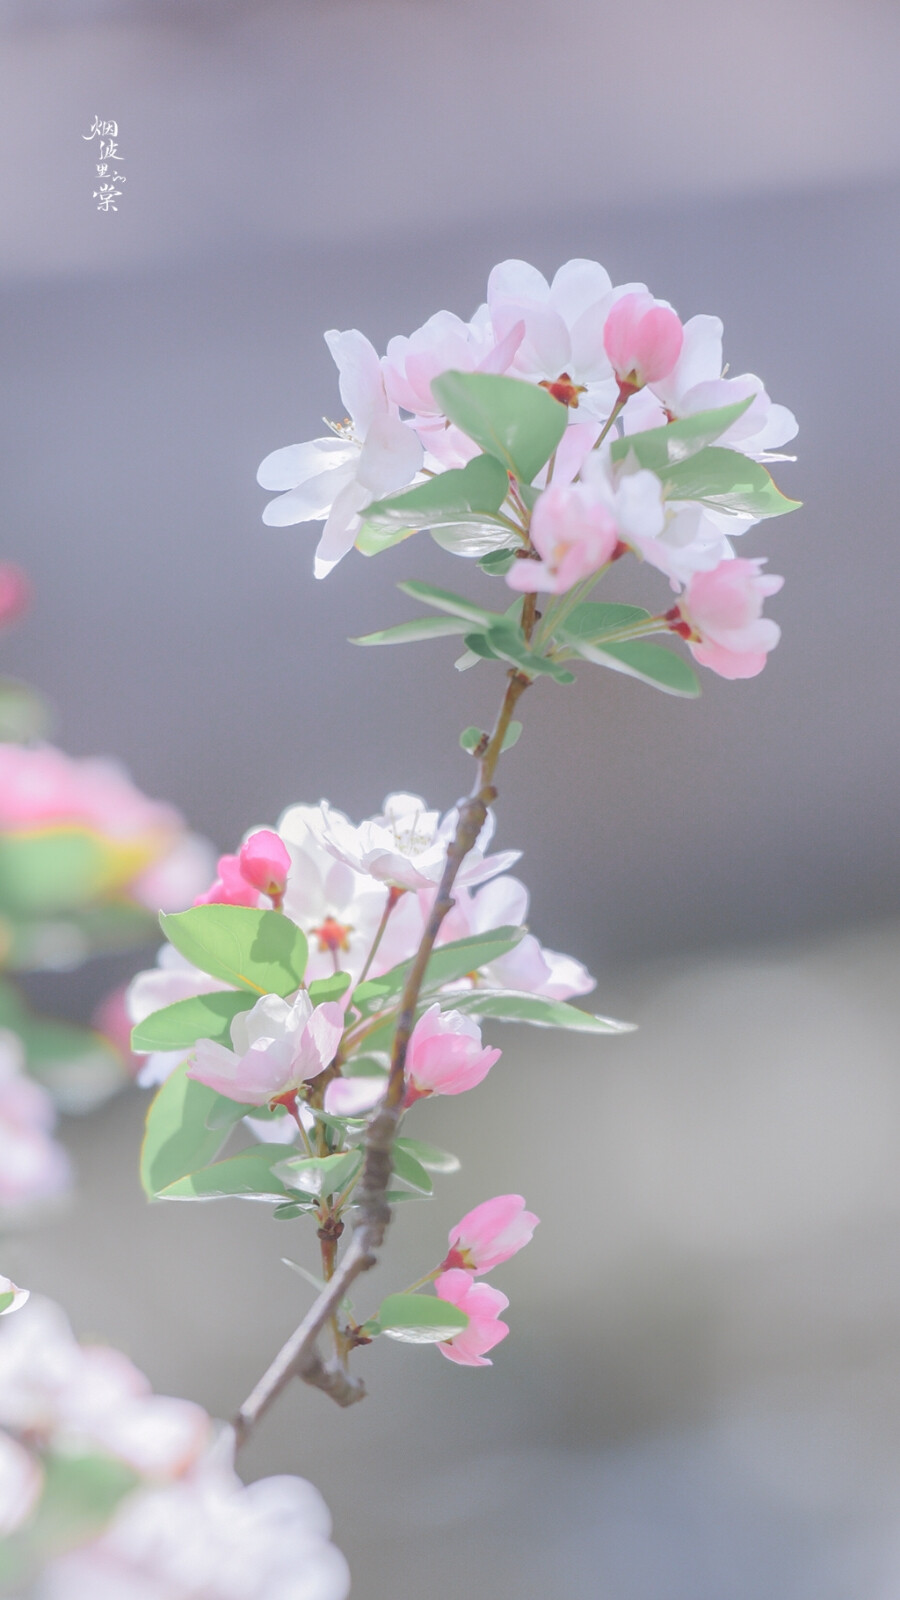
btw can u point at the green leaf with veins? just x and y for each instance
(261, 951)
(179, 1026)
(660, 448)
(419, 1318)
(462, 494)
(650, 663)
(422, 628)
(519, 423)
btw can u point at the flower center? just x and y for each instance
(565, 390)
(333, 935)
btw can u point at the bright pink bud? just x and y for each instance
(265, 863)
(15, 592)
(445, 1055)
(643, 340)
(230, 887)
(489, 1234)
(482, 1305)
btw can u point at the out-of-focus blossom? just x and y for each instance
(278, 1045)
(230, 888)
(697, 383)
(445, 1055)
(490, 1234)
(407, 845)
(43, 790)
(15, 592)
(643, 339)
(370, 455)
(209, 1536)
(174, 978)
(21, 1482)
(353, 1097)
(265, 863)
(34, 1169)
(720, 615)
(482, 1305)
(58, 1394)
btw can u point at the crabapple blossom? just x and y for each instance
(278, 1045)
(697, 383)
(643, 339)
(15, 593)
(573, 534)
(265, 863)
(490, 1234)
(443, 343)
(445, 1055)
(230, 888)
(34, 1169)
(482, 1305)
(208, 1535)
(528, 967)
(372, 454)
(11, 1297)
(563, 346)
(353, 1097)
(720, 615)
(406, 845)
(338, 908)
(690, 540)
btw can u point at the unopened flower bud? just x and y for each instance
(265, 863)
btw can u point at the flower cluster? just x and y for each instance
(640, 395)
(487, 1236)
(171, 1517)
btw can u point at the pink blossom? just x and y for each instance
(573, 533)
(353, 1097)
(265, 863)
(442, 344)
(445, 1055)
(720, 615)
(230, 888)
(482, 1305)
(278, 1045)
(564, 320)
(489, 1234)
(643, 339)
(15, 592)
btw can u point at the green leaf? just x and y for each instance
(507, 1005)
(53, 869)
(248, 1175)
(205, 1016)
(508, 642)
(6, 1300)
(332, 988)
(593, 618)
(651, 663)
(471, 738)
(477, 646)
(455, 604)
(65, 938)
(497, 562)
(659, 448)
(262, 951)
(293, 1208)
(178, 1139)
(429, 1155)
(727, 481)
(449, 962)
(319, 1175)
(462, 494)
(419, 1318)
(517, 422)
(512, 736)
(414, 632)
(475, 540)
(23, 713)
(371, 541)
(410, 1170)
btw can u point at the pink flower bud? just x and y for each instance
(445, 1055)
(489, 1234)
(573, 533)
(15, 592)
(265, 863)
(643, 340)
(720, 615)
(482, 1305)
(230, 888)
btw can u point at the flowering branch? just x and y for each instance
(300, 1357)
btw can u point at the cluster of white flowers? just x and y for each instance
(338, 882)
(183, 1523)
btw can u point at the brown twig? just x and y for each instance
(300, 1357)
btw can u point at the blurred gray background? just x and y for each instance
(701, 1397)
